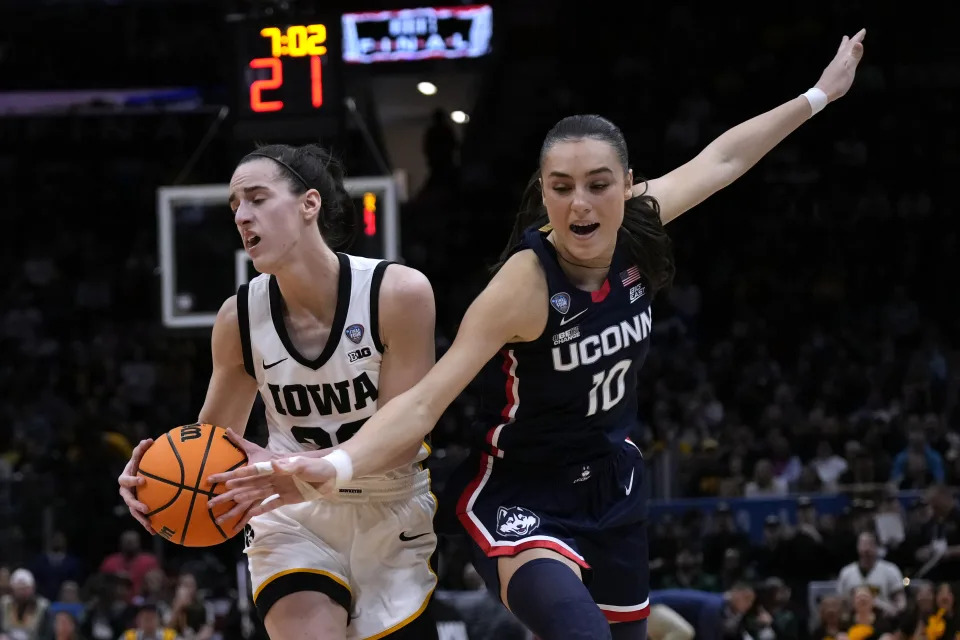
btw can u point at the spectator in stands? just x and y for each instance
(69, 602)
(723, 536)
(940, 552)
(54, 566)
(942, 624)
(714, 616)
(188, 613)
(689, 574)
(765, 483)
(65, 626)
(484, 616)
(913, 622)
(828, 465)
(918, 464)
(147, 626)
(106, 614)
(884, 579)
(774, 597)
(154, 589)
(786, 463)
(868, 622)
(24, 615)
(130, 560)
(831, 615)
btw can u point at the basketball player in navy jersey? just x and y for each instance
(554, 496)
(324, 337)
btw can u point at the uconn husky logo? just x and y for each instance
(516, 521)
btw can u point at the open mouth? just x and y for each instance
(584, 229)
(253, 241)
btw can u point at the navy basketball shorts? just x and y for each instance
(593, 514)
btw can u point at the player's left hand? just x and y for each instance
(267, 475)
(837, 78)
(257, 494)
(255, 454)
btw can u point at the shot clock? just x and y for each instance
(289, 69)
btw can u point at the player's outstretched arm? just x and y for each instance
(738, 149)
(230, 397)
(513, 308)
(408, 318)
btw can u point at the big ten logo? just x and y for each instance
(359, 354)
(190, 432)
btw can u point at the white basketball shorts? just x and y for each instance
(368, 550)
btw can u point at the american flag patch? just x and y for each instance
(630, 276)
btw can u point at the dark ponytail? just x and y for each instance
(642, 231)
(313, 167)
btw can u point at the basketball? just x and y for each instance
(176, 468)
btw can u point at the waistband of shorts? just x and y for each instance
(384, 489)
(568, 471)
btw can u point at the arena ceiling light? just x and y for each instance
(427, 88)
(460, 117)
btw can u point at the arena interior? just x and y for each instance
(799, 406)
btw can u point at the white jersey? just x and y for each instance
(319, 403)
(884, 579)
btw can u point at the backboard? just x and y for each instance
(202, 261)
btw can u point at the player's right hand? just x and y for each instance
(129, 481)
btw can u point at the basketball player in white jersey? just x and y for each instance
(325, 338)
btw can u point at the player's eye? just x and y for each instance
(599, 186)
(561, 188)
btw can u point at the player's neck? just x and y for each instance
(309, 283)
(588, 276)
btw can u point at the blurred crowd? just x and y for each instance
(808, 346)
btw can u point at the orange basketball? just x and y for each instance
(176, 468)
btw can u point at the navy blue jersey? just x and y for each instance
(570, 395)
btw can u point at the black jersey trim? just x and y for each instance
(375, 283)
(243, 318)
(339, 317)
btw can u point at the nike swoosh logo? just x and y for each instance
(268, 366)
(564, 320)
(405, 538)
(630, 486)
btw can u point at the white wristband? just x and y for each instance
(817, 99)
(341, 461)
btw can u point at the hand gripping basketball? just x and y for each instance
(284, 482)
(129, 481)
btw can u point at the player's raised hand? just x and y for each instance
(837, 78)
(129, 481)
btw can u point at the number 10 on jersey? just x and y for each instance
(609, 388)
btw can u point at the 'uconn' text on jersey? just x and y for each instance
(588, 350)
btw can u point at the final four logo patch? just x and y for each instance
(355, 333)
(561, 302)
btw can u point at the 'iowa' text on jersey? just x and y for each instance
(340, 397)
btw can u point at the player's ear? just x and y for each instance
(628, 185)
(310, 205)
